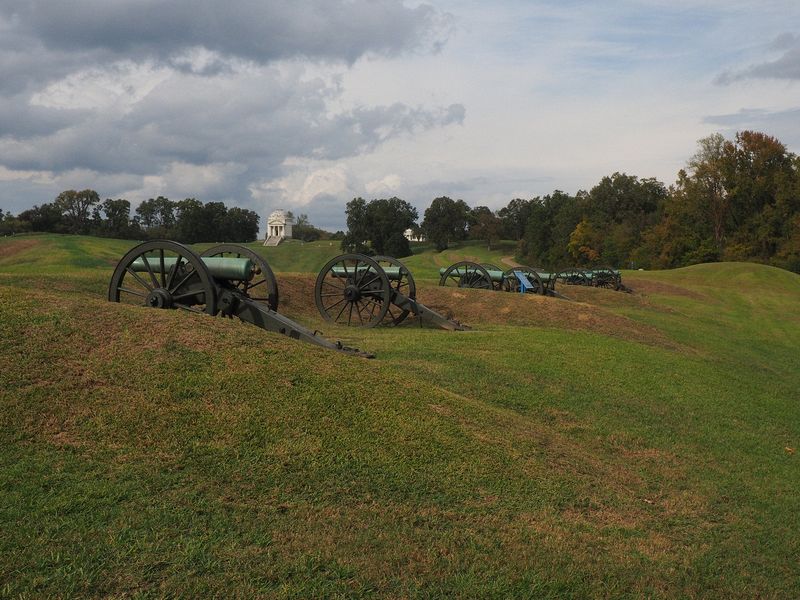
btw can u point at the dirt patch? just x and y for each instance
(476, 307)
(9, 249)
(482, 307)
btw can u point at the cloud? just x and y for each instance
(198, 98)
(782, 124)
(786, 66)
(250, 29)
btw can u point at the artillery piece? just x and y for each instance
(468, 274)
(165, 274)
(604, 277)
(358, 290)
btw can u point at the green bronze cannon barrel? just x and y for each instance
(219, 267)
(393, 273)
(495, 276)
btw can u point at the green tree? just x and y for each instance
(357, 236)
(47, 217)
(514, 218)
(378, 226)
(446, 220)
(190, 226)
(117, 218)
(240, 225)
(551, 221)
(304, 230)
(484, 225)
(157, 217)
(76, 209)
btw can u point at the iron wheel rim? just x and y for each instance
(353, 290)
(179, 286)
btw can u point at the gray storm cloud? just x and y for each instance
(252, 29)
(128, 89)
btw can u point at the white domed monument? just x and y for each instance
(279, 227)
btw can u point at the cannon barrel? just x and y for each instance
(219, 267)
(495, 276)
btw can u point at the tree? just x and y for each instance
(387, 221)
(378, 226)
(484, 225)
(76, 208)
(158, 216)
(357, 236)
(47, 217)
(190, 226)
(239, 225)
(446, 220)
(703, 182)
(514, 218)
(117, 218)
(585, 243)
(551, 220)
(304, 230)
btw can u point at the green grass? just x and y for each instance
(53, 253)
(149, 453)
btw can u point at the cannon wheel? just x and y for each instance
(403, 285)
(511, 283)
(467, 274)
(497, 285)
(607, 278)
(353, 289)
(574, 277)
(188, 285)
(263, 287)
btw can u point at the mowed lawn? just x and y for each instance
(622, 445)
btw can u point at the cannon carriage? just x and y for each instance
(226, 280)
(363, 291)
(604, 277)
(468, 274)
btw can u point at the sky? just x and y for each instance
(305, 104)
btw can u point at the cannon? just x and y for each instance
(604, 277)
(468, 274)
(363, 291)
(229, 280)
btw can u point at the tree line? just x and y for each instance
(188, 221)
(735, 200)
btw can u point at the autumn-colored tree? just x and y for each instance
(585, 243)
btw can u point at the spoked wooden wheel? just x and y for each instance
(466, 274)
(263, 287)
(606, 278)
(511, 281)
(401, 282)
(164, 274)
(573, 277)
(353, 289)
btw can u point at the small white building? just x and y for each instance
(409, 235)
(279, 227)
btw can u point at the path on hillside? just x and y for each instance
(509, 260)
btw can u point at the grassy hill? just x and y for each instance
(621, 445)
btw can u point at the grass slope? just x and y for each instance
(620, 445)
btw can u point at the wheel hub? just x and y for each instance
(159, 298)
(352, 293)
